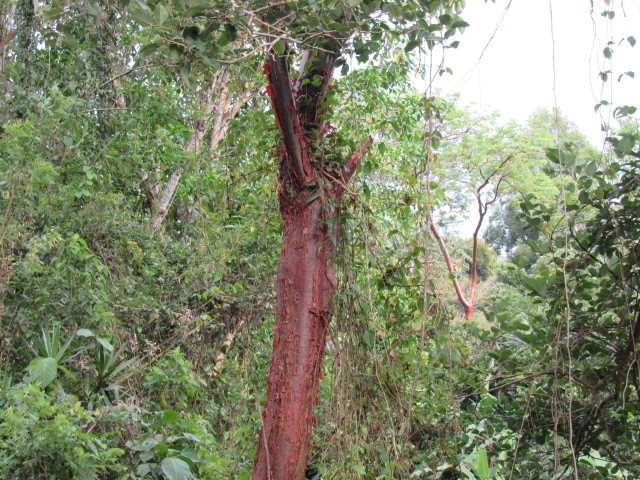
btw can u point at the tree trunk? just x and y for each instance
(25, 14)
(310, 194)
(306, 286)
(466, 304)
(474, 270)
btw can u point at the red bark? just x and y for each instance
(466, 304)
(306, 286)
(306, 281)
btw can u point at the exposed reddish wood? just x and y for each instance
(468, 308)
(306, 282)
(354, 158)
(306, 286)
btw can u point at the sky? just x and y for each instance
(527, 64)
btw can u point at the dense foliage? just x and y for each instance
(139, 238)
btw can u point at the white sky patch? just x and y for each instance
(515, 75)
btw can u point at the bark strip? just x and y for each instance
(289, 124)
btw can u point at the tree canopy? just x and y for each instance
(237, 241)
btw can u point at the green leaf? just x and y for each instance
(458, 23)
(359, 469)
(466, 471)
(84, 332)
(315, 194)
(141, 16)
(411, 45)
(482, 464)
(105, 343)
(67, 372)
(43, 370)
(161, 13)
(590, 169)
(553, 154)
(191, 454)
(535, 284)
(143, 469)
(369, 338)
(51, 13)
(229, 35)
(169, 416)
(149, 49)
(70, 42)
(279, 47)
(176, 469)
(624, 111)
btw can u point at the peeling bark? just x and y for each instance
(306, 282)
(287, 116)
(306, 286)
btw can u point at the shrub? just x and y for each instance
(42, 437)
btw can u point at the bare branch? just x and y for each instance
(447, 259)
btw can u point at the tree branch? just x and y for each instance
(447, 259)
(218, 110)
(277, 70)
(167, 197)
(4, 41)
(317, 65)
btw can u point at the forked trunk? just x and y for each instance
(310, 194)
